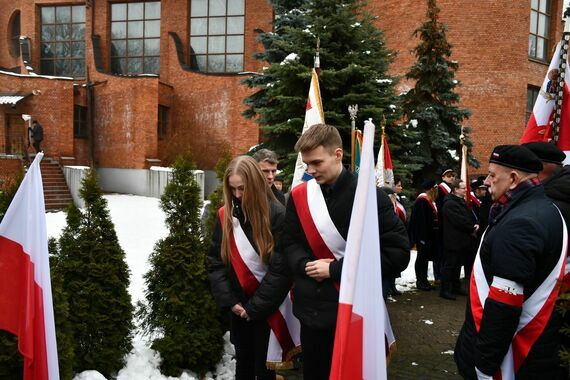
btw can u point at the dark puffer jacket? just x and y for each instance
(458, 225)
(557, 187)
(223, 280)
(315, 303)
(522, 244)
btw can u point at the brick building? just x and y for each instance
(154, 77)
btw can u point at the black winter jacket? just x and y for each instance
(557, 187)
(522, 244)
(424, 228)
(223, 280)
(315, 303)
(458, 224)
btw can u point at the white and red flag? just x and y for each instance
(314, 114)
(26, 307)
(539, 127)
(363, 326)
(384, 168)
(469, 197)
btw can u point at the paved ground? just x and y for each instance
(426, 328)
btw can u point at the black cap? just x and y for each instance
(546, 152)
(516, 157)
(388, 190)
(428, 184)
(477, 183)
(448, 171)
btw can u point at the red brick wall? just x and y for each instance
(490, 41)
(8, 170)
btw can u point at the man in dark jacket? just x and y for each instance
(37, 133)
(312, 242)
(458, 234)
(511, 328)
(267, 160)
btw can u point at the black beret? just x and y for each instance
(546, 152)
(477, 183)
(516, 157)
(428, 184)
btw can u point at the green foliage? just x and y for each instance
(96, 277)
(63, 330)
(433, 100)
(181, 311)
(216, 198)
(7, 191)
(354, 70)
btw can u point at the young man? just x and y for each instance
(511, 328)
(267, 160)
(37, 133)
(314, 239)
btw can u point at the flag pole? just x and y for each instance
(352, 111)
(561, 77)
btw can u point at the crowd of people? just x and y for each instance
(276, 259)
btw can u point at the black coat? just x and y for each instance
(522, 244)
(424, 228)
(458, 225)
(223, 280)
(278, 194)
(557, 187)
(315, 303)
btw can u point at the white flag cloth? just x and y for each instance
(362, 323)
(313, 115)
(26, 307)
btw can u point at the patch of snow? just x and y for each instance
(448, 352)
(414, 123)
(414, 363)
(383, 80)
(291, 57)
(427, 322)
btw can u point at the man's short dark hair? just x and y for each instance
(266, 155)
(317, 135)
(456, 183)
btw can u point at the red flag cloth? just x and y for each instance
(538, 127)
(25, 285)
(362, 322)
(465, 176)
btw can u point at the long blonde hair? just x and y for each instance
(254, 205)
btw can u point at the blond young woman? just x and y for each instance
(250, 213)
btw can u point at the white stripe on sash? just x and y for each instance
(274, 351)
(247, 252)
(320, 214)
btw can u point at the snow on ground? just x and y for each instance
(139, 223)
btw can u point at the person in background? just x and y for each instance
(249, 222)
(399, 210)
(314, 240)
(424, 232)
(511, 328)
(278, 183)
(447, 178)
(400, 197)
(458, 234)
(268, 162)
(37, 133)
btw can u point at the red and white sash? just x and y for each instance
(400, 210)
(321, 233)
(285, 336)
(432, 204)
(536, 310)
(474, 199)
(445, 188)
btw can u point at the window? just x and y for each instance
(79, 121)
(531, 95)
(135, 38)
(162, 126)
(63, 40)
(14, 34)
(217, 35)
(539, 27)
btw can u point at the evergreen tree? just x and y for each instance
(216, 197)
(432, 103)
(96, 279)
(181, 310)
(354, 60)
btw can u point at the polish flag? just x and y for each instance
(26, 308)
(363, 326)
(314, 114)
(465, 176)
(538, 127)
(384, 168)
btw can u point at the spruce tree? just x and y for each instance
(432, 104)
(96, 279)
(354, 63)
(181, 312)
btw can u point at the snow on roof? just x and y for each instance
(33, 75)
(12, 99)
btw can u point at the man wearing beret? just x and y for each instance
(511, 327)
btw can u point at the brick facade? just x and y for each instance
(490, 41)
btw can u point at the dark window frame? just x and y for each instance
(535, 36)
(49, 65)
(116, 59)
(201, 61)
(532, 93)
(14, 32)
(80, 122)
(162, 122)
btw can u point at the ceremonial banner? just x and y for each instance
(313, 115)
(465, 176)
(384, 168)
(362, 324)
(26, 308)
(356, 151)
